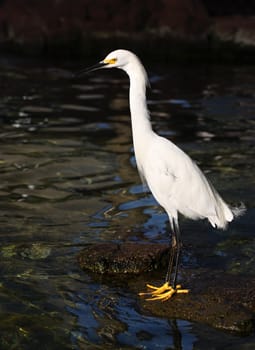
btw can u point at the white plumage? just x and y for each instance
(174, 179)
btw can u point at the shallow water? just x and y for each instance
(68, 178)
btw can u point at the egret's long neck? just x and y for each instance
(140, 118)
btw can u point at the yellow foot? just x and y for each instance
(164, 292)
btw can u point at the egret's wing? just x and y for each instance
(141, 172)
(161, 171)
(179, 185)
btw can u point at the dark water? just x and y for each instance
(68, 178)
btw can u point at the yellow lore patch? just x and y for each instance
(111, 61)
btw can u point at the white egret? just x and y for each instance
(174, 179)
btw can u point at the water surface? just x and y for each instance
(68, 178)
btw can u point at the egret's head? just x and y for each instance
(115, 59)
(118, 59)
(122, 59)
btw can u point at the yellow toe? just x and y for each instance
(164, 292)
(180, 290)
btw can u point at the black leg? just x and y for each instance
(171, 258)
(178, 251)
(174, 253)
(170, 287)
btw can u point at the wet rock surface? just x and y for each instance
(216, 298)
(113, 258)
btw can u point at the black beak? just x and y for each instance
(92, 68)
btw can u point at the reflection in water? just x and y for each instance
(68, 178)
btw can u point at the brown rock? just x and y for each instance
(216, 298)
(235, 29)
(81, 26)
(176, 28)
(56, 16)
(132, 258)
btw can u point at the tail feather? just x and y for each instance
(238, 211)
(225, 214)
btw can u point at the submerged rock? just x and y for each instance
(34, 251)
(216, 298)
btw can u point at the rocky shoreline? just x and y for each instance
(219, 299)
(178, 30)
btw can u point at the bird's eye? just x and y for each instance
(110, 60)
